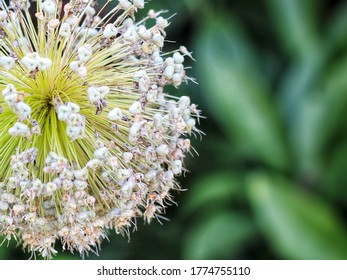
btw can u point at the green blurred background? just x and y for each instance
(271, 178)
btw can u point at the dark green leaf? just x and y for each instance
(297, 225)
(219, 237)
(296, 24)
(212, 189)
(235, 90)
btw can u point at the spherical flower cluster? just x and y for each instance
(89, 139)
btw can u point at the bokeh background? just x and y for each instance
(270, 181)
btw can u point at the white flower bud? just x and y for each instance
(73, 107)
(104, 90)
(30, 61)
(3, 15)
(63, 112)
(13, 182)
(177, 79)
(8, 197)
(143, 85)
(158, 40)
(53, 23)
(6, 219)
(50, 188)
(101, 153)
(9, 89)
(52, 157)
(152, 95)
(177, 167)
(158, 120)
(90, 11)
(115, 115)
(81, 174)
(127, 156)
(162, 150)
(178, 58)
(93, 94)
(67, 184)
(113, 162)
(65, 30)
(3, 206)
(144, 32)
(39, 16)
(73, 132)
(71, 20)
(150, 175)
(170, 61)
(162, 23)
(43, 63)
(36, 130)
(11, 99)
(18, 209)
(19, 129)
(123, 174)
(169, 72)
(169, 175)
(184, 102)
(134, 129)
(74, 65)
(124, 4)
(94, 163)
(135, 108)
(24, 110)
(49, 7)
(80, 184)
(179, 68)
(74, 119)
(139, 4)
(127, 186)
(82, 71)
(110, 31)
(157, 59)
(7, 62)
(190, 123)
(85, 52)
(140, 74)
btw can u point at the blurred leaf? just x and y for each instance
(337, 29)
(333, 97)
(195, 5)
(236, 92)
(4, 253)
(297, 226)
(215, 188)
(335, 179)
(296, 24)
(220, 237)
(314, 110)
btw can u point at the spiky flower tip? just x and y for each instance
(89, 140)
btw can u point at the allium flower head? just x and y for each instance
(89, 140)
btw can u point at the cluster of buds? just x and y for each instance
(69, 113)
(15, 101)
(89, 138)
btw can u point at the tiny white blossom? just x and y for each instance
(49, 7)
(7, 62)
(85, 52)
(110, 31)
(115, 114)
(31, 61)
(135, 108)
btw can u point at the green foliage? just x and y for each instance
(221, 236)
(292, 219)
(271, 180)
